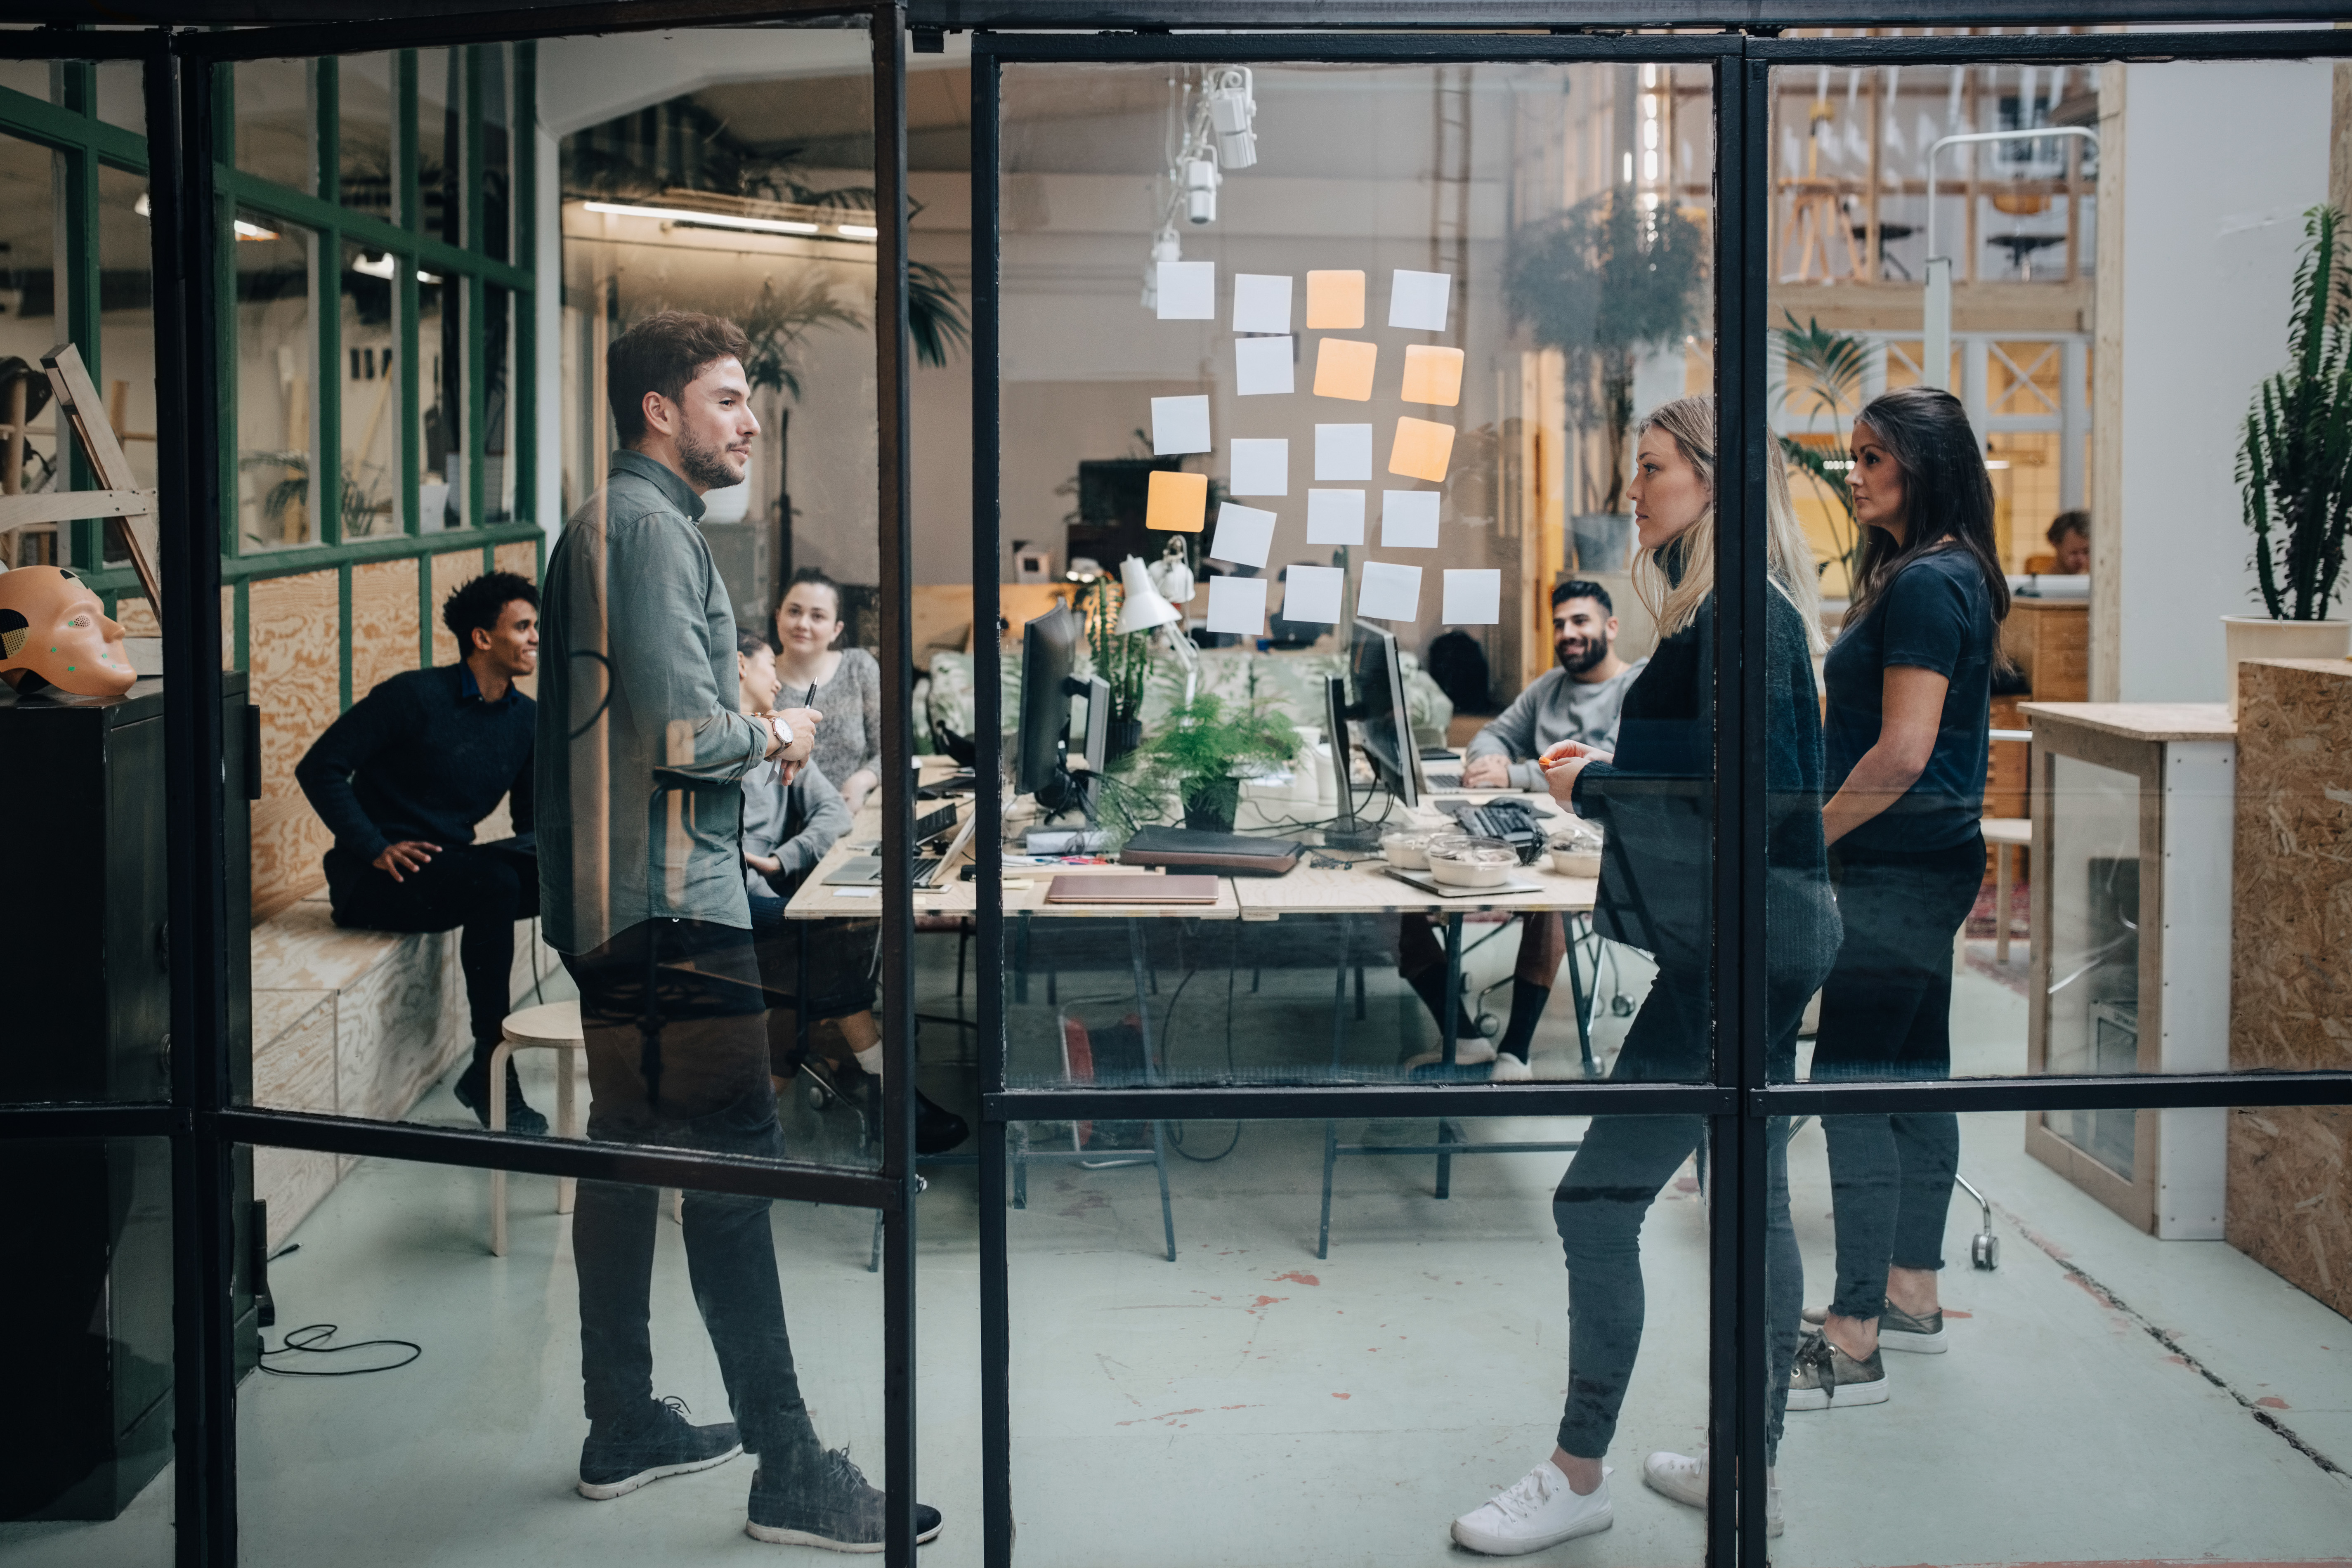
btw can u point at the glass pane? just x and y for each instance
(689, 1330)
(127, 323)
(1431, 1271)
(97, 1490)
(1389, 447)
(366, 120)
(33, 315)
(495, 64)
(277, 121)
(440, 142)
(441, 401)
(122, 95)
(30, 78)
(276, 396)
(2177, 1333)
(499, 307)
(370, 392)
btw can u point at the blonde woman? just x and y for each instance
(1652, 796)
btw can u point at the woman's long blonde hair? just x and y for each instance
(1789, 559)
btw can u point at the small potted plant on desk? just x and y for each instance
(2295, 466)
(1198, 758)
(1123, 659)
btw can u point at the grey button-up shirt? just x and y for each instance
(641, 748)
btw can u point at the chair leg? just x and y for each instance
(1359, 992)
(498, 1058)
(1330, 1158)
(1159, 1159)
(963, 948)
(874, 1253)
(2000, 867)
(567, 1125)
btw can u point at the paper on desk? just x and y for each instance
(1473, 598)
(1261, 302)
(1432, 374)
(1186, 290)
(1178, 424)
(1312, 593)
(1335, 517)
(1260, 468)
(1243, 535)
(1387, 591)
(1343, 452)
(1176, 502)
(1237, 604)
(1343, 368)
(1418, 300)
(1262, 365)
(1335, 301)
(1408, 519)
(1421, 450)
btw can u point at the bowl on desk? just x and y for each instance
(1407, 850)
(1576, 850)
(1459, 861)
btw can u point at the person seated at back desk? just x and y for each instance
(1577, 700)
(403, 777)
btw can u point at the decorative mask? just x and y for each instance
(54, 631)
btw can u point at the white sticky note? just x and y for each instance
(1312, 593)
(1237, 604)
(1262, 365)
(1473, 598)
(1335, 517)
(1243, 535)
(1261, 302)
(1186, 290)
(1343, 452)
(1417, 299)
(1409, 520)
(1180, 424)
(1260, 468)
(1387, 591)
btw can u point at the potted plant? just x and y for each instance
(1198, 758)
(1123, 659)
(2295, 465)
(1835, 367)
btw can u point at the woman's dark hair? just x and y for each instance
(477, 605)
(1947, 498)
(750, 645)
(813, 577)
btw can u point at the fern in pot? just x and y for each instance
(2295, 467)
(1195, 760)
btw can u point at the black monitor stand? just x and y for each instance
(1347, 832)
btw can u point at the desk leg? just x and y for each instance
(1338, 1054)
(1452, 1015)
(2001, 867)
(567, 1122)
(1576, 993)
(800, 992)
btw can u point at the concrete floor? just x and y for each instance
(2107, 1396)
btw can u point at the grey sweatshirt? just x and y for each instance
(796, 822)
(1554, 707)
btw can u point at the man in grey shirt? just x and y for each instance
(1578, 700)
(641, 754)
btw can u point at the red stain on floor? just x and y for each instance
(1266, 1301)
(2273, 1402)
(1170, 1415)
(1955, 1312)
(1298, 1278)
(1343, 1397)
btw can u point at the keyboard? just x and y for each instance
(1512, 821)
(1442, 781)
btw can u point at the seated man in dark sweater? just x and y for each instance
(405, 775)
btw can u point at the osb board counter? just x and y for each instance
(2141, 720)
(2290, 1183)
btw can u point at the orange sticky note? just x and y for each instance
(1335, 301)
(1432, 374)
(1343, 368)
(1421, 450)
(1178, 502)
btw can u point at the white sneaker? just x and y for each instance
(1682, 1477)
(1508, 1069)
(1538, 1512)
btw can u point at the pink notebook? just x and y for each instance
(1140, 889)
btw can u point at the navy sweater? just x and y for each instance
(422, 756)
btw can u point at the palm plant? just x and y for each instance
(1835, 367)
(2295, 463)
(780, 319)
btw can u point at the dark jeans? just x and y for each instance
(1606, 1194)
(485, 888)
(1886, 1012)
(678, 1056)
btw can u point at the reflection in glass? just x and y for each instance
(370, 392)
(122, 95)
(31, 325)
(30, 78)
(276, 122)
(440, 143)
(366, 109)
(441, 494)
(495, 64)
(2094, 920)
(127, 324)
(276, 395)
(500, 413)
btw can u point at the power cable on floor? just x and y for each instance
(311, 1340)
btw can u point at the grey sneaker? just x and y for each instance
(1897, 1330)
(1825, 1377)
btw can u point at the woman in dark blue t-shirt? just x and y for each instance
(1909, 696)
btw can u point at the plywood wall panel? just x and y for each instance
(293, 637)
(138, 620)
(451, 572)
(383, 623)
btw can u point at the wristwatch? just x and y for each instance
(781, 731)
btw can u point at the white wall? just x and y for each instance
(2221, 161)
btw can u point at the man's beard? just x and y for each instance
(706, 466)
(1595, 650)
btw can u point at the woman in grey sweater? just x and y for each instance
(845, 684)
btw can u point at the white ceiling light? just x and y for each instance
(712, 220)
(383, 266)
(1218, 134)
(856, 231)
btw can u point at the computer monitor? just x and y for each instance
(1049, 655)
(1382, 727)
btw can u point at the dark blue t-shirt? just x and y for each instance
(1935, 615)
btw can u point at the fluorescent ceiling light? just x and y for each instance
(1996, 462)
(855, 231)
(714, 220)
(254, 231)
(383, 266)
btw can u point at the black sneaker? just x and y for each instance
(824, 1501)
(937, 1129)
(473, 1093)
(1826, 1377)
(620, 1457)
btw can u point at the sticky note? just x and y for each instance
(1418, 300)
(1180, 424)
(1387, 591)
(1176, 502)
(1186, 290)
(1343, 452)
(1335, 517)
(1473, 598)
(1260, 365)
(1312, 593)
(1261, 467)
(1237, 604)
(1409, 520)
(1421, 450)
(1335, 301)
(1343, 368)
(1261, 302)
(1243, 535)
(1432, 374)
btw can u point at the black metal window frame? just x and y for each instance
(202, 1121)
